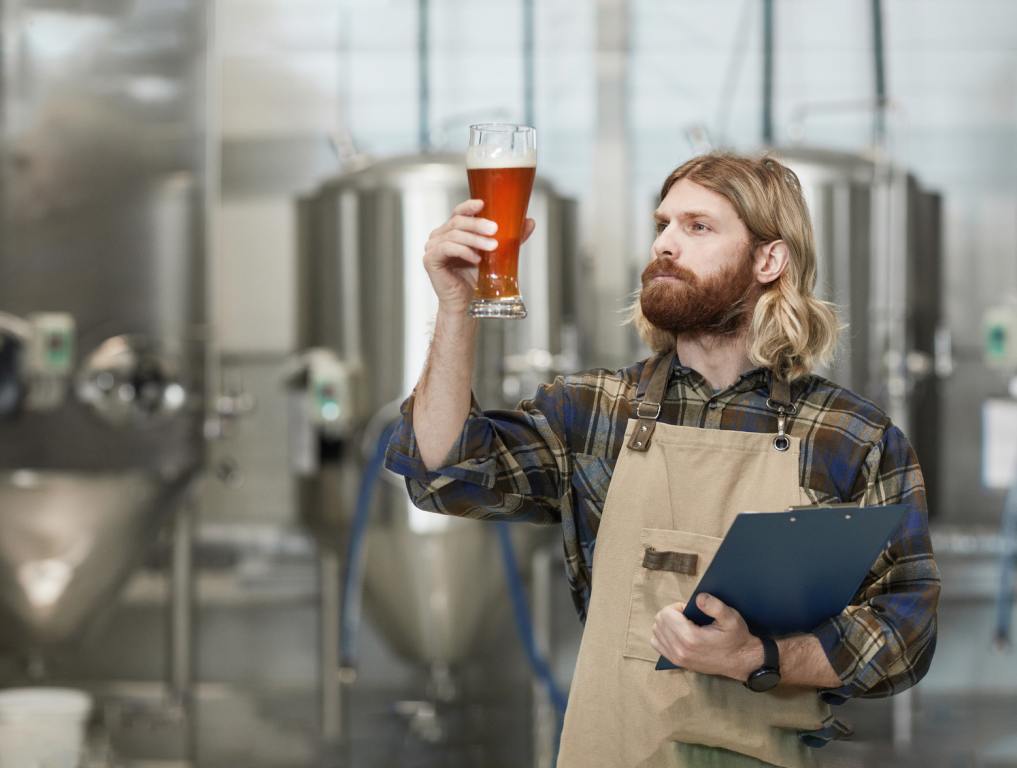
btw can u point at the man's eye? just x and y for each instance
(699, 226)
(661, 226)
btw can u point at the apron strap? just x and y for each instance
(650, 395)
(780, 394)
(832, 730)
(647, 373)
(780, 401)
(648, 408)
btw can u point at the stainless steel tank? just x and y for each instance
(365, 297)
(101, 237)
(878, 240)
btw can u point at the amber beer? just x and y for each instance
(501, 174)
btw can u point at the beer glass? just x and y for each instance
(501, 162)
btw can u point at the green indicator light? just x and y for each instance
(997, 340)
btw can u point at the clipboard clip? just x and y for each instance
(844, 505)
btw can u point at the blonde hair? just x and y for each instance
(791, 331)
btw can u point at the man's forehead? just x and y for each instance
(686, 198)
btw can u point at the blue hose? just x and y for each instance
(353, 574)
(353, 563)
(517, 593)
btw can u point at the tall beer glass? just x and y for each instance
(500, 163)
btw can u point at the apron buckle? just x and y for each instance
(647, 421)
(785, 407)
(648, 409)
(653, 416)
(781, 442)
(780, 401)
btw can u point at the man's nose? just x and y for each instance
(666, 247)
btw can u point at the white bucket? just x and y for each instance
(42, 727)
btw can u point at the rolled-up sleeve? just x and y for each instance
(506, 464)
(884, 641)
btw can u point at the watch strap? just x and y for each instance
(771, 654)
(768, 675)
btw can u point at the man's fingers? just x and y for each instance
(472, 224)
(464, 217)
(718, 611)
(672, 625)
(469, 207)
(477, 242)
(664, 646)
(676, 611)
(528, 228)
(450, 250)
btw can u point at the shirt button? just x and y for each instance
(714, 405)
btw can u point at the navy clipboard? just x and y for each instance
(788, 572)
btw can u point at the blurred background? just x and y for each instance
(212, 304)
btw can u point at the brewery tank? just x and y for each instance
(366, 300)
(85, 485)
(879, 258)
(102, 306)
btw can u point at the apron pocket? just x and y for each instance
(669, 568)
(704, 709)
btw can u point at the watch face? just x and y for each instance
(763, 679)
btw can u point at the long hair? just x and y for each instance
(791, 331)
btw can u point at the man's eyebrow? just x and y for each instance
(686, 215)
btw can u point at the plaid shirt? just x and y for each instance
(550, 461)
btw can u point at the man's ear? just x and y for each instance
(771, 261)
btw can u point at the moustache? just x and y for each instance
(663, 268)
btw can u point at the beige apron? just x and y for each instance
(678, 489)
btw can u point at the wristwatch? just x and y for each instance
(768, 675)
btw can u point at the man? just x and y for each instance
(646, 467)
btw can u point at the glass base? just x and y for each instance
(511, 308)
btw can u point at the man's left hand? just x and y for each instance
(725, 647)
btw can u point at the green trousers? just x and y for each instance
(699, 756)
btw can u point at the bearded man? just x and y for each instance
(659, 457)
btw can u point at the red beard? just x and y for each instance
(720, 305)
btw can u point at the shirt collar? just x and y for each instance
(747, 381)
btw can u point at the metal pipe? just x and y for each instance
(181, 620)
(211, 195)
(328, 649)
(903, 719)
(893, 345)
(424, 75)
(608, 220)
(181, 675)
(545, 719)
(879, 69)
(528, 62)
(768, 73)
(4, 164)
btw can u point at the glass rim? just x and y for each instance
(503, 127)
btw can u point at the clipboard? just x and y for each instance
(788, 572)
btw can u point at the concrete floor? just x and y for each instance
(278, 731)
(257, 701)
(951, 731)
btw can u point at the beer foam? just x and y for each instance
(488, 156)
